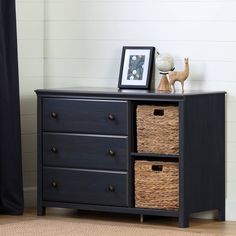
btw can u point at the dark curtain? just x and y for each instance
(11, 189)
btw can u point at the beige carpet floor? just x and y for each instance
(45, 227)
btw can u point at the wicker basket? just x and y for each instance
(157, 185)
(158, 129)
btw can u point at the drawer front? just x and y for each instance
(82, 186)
(85, 151)
(85, 116)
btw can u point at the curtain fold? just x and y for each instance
(11, 188)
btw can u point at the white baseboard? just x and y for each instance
(30, 197)
(205, 215)
(230, 210)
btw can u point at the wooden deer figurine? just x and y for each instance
(180, 76)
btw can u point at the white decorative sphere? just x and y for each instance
(165, 62)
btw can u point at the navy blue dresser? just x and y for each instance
(87, 146)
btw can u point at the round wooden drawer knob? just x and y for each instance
(111, 117)
(54, 184)
(111, 188)
(54, 115)
(54, 149)
(111, 153)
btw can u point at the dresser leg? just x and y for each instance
(141, 218)
(183, 221)
(41, 211)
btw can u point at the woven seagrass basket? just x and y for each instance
(157, 129)
(157, 185)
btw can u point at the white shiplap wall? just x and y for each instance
(30, 28)
(83, 41)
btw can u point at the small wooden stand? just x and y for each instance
(164, 84)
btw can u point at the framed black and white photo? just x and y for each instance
(136, 67)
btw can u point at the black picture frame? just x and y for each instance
(136, 67)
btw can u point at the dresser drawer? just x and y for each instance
(85, 116)
(85, 151)
(83, 186)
